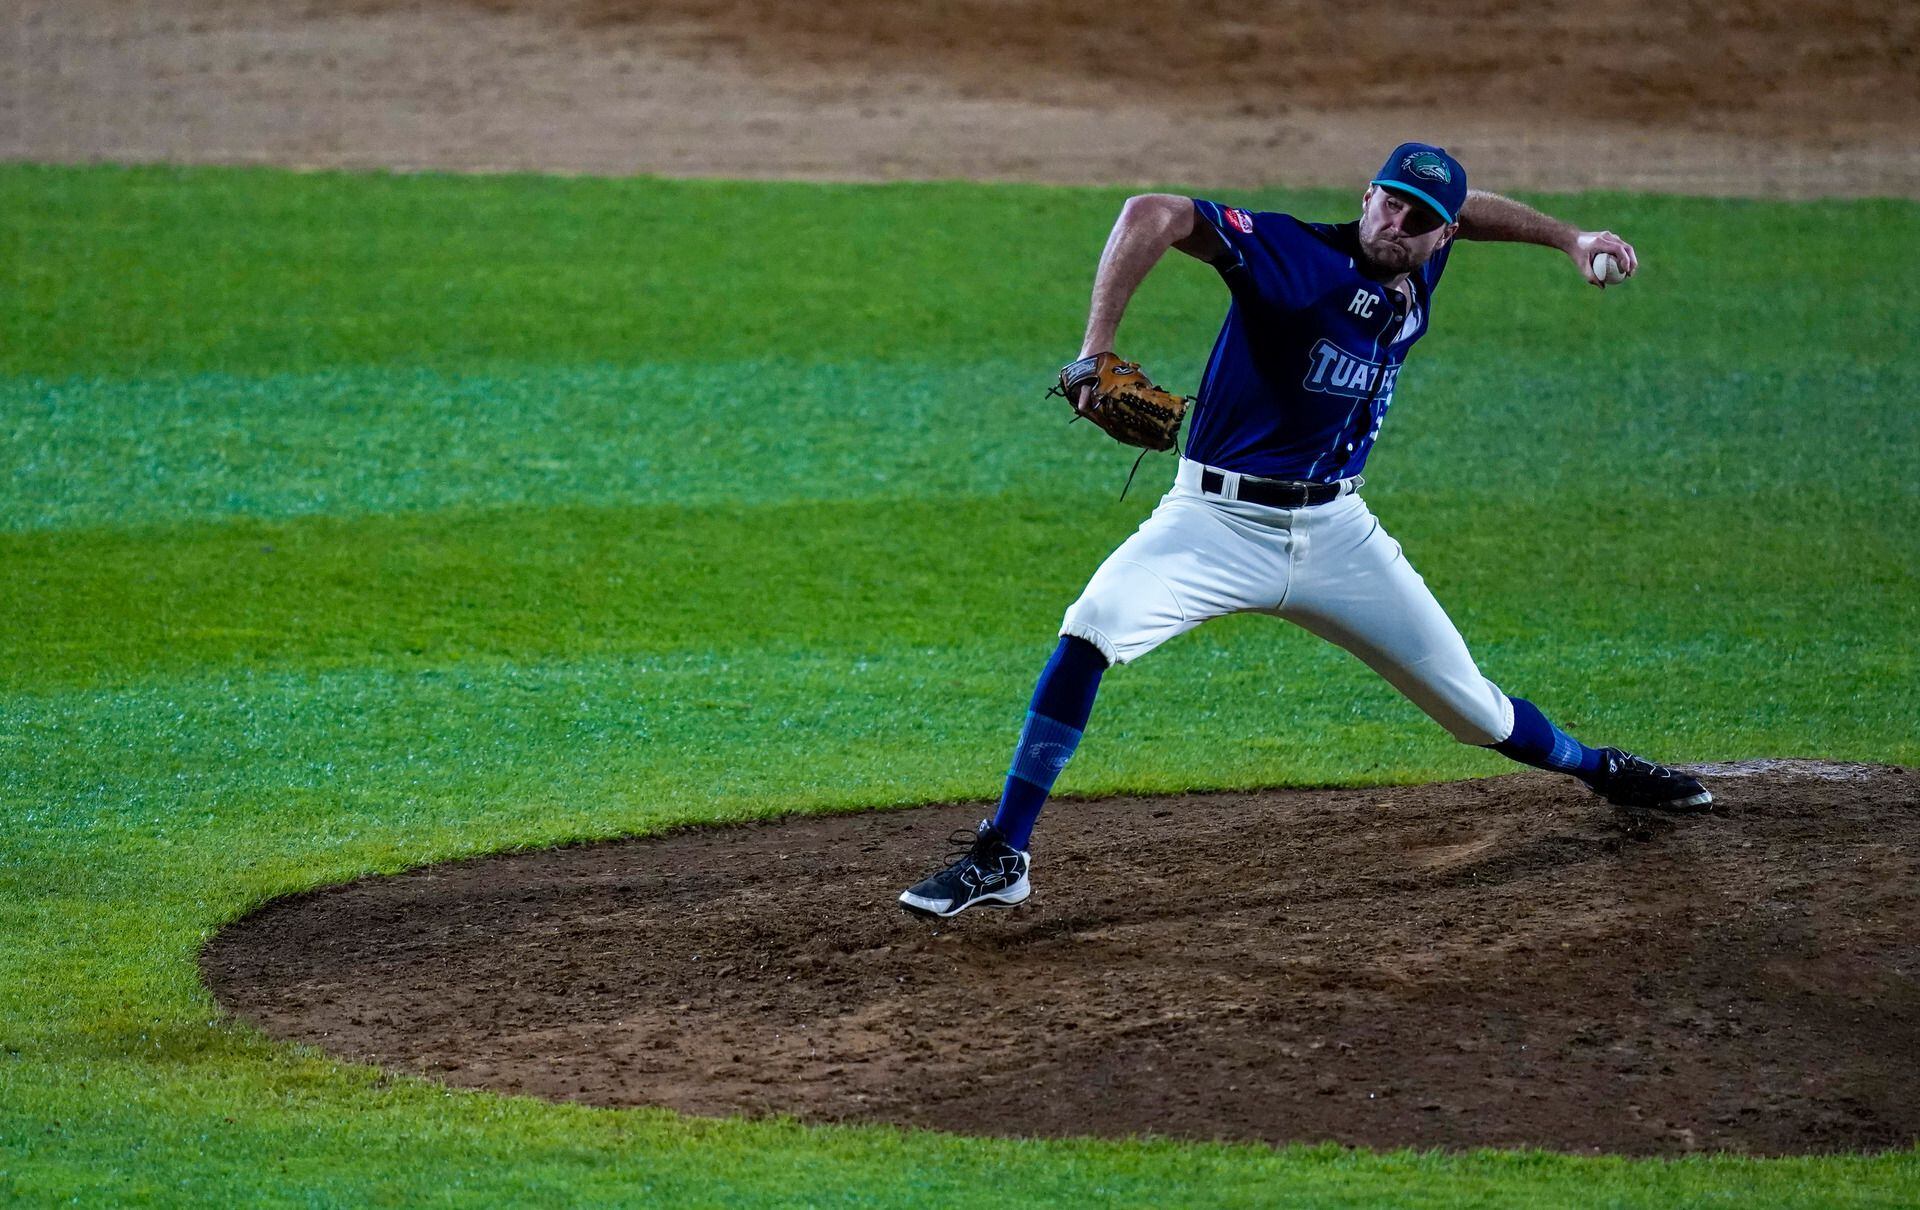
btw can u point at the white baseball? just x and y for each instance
(1607, 269)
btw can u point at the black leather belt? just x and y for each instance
(1274, 493)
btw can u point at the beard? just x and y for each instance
(1388, 256)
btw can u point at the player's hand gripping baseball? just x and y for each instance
(1590, 244)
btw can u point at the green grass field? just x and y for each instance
(354, 522)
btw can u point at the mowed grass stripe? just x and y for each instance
(130, 271)
(195, 791)
(420, 589)
(88, 453)
(134, 270)
(82, 453)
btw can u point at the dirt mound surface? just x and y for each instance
(1501, 962)
(1748, 97)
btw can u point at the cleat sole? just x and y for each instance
(915, 906)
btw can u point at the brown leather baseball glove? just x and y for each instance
(1124, 402)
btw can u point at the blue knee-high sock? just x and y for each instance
(1539, 743)
(1062, 703)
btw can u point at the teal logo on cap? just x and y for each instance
(1427, 166)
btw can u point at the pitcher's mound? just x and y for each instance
(1503, 962)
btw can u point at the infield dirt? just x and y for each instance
(1747, 97)
(1500, 962)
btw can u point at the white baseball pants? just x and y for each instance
(1330, 568)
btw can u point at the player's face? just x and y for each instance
(1397, 233)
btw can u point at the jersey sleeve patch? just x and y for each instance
(1235, 228)
(1261, 246)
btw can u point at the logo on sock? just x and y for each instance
(1053, 756)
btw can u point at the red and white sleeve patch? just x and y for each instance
(1241, 220)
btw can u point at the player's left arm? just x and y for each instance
(1488, 216)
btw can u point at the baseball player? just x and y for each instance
(1265, 513)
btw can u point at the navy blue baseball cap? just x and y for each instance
(1427, 174)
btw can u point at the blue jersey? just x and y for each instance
(1304, 368)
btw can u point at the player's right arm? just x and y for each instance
(1148, 225)
(1488, 216)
